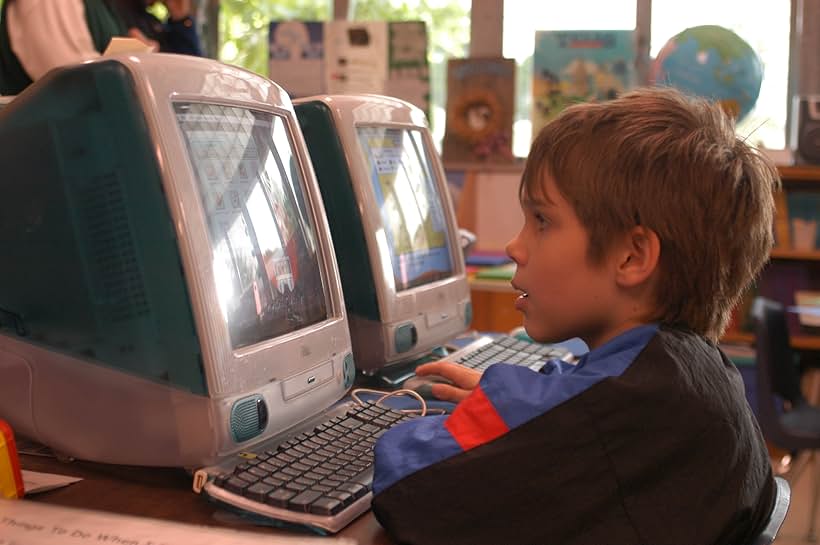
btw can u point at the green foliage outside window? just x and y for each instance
(243, 31)
(243, 27)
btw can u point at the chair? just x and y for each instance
(787, 420)
(778, 514)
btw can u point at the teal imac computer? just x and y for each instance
(393, 224)
(169, 294)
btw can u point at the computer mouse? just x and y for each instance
(423, 384)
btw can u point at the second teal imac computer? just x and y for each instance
(393, 226)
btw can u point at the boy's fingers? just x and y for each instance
(434, 368)
(445, 392)
(458, 374)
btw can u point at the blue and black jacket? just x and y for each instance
(647, 440)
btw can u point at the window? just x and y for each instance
(766, 28)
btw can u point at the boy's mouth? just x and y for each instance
(521, 301)
(521, 293)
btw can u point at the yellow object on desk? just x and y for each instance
(11, 479)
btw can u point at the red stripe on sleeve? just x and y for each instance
(475, 421)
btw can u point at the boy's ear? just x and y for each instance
(639, 257)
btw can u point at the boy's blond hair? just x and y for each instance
(673, 164)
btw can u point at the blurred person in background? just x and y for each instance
(177, 34)
(38, 35)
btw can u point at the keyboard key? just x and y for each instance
(280, 497)
(273, 481)
(285, 458)
(332, 483)
(290, 471)
(326, 506)
(345, 497)
(354, 489)
(313, 475)
(259, 472)
(258, 491)
(304, 499)
(296, 487)
(351, 423)
(248, 477)
(272, 467)
(221, 479)
(236, 485)
(324, 470)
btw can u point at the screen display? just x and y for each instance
(411, 207)
(266, 260)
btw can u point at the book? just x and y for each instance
(498, 272)
(571, 66)
(355, 56)
(339, 57)
(804, 219)
(487, 258)
(480, 108)
(296, 56)
(408, 76)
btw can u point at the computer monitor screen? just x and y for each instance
(410, 203)
(265, 260)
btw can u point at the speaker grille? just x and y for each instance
(249, 416)
(349, 371)
(111, 249)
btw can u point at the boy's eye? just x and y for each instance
(540, 220)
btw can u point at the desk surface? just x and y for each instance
(162, 493)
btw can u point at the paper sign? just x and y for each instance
(25, 522)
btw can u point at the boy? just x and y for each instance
(645, 220)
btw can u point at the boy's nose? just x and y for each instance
(515, 250)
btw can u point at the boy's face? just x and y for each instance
(564, 295)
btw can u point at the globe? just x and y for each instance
(712, 62)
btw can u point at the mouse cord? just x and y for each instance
(423, 411)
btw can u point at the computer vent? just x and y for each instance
(115, 269)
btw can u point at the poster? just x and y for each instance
(571, 66)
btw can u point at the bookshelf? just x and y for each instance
(795, 262)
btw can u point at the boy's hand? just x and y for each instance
(463, 378)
